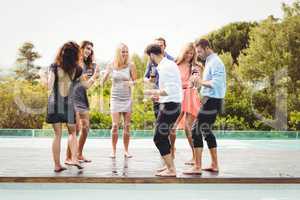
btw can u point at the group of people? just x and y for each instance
(174, 92)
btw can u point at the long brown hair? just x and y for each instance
(90, 59)
(69, 59)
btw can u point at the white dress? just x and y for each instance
(120, 100)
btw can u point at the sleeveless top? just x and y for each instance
(120, 91)
(60, 108)
(120, 83)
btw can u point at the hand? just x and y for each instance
(85, 77)
(96, 73)
(199, 82)
(152, 79)
(154, 98)
(196, 81)
(130, 83)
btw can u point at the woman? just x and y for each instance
(81, 101)
(189, 70)
(63, 76)
(123, 73)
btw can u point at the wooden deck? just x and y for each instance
(29, 160)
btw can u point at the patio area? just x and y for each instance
(26, 159)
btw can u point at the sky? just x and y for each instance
(50, 23)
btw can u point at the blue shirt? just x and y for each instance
(153, 66)
(214, 70)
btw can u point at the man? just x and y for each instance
(213, 92)
(151, 73)
(152, 76)
(170, 97)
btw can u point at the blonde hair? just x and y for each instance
(193, 62)
(186, 48)
(118, 60)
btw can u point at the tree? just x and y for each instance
(290, 11)
(274, 46)
(26, 69)
(23, 104)
(232, 38)
(140, 63)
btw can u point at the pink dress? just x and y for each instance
(191, 100)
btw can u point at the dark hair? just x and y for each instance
(163, 40)
(90, 59)
(69, 59)
(203, 43)
(153, 48)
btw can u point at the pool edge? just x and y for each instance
(152, 180)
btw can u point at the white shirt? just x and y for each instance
(169, 81)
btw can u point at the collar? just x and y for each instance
(210, 56)
(162, 62)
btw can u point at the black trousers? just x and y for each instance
(167, 116)
(156, 109)
(206, 118)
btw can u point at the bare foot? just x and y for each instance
(167, 173)
(68, 161)
(211, 169)
(59, 169)
(76, 164)
(193, 171)
(162, 169)
(113, 155)
(127, 155)
(83, 159)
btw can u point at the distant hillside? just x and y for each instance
(5, 71)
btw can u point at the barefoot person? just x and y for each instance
(191, 102)
(151, 75)
(213, 88)
(81, 101)
(123, 73)
(63, 75)
(170, 97)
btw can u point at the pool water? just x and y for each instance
(149, 191)
(181, 143)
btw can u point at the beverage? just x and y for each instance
(89, 72)
(152, 74)
(195, 76)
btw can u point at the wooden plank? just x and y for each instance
(150, 180)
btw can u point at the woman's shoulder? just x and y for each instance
(131, 65)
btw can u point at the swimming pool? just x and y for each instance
(149, 191)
